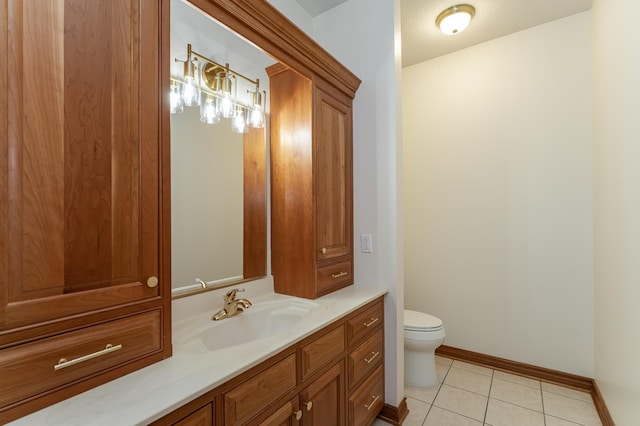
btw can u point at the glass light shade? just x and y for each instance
(455, 19)
(208, 110)
(256, 117)
(239, 122)
(190, 91)
(175, 100)
(226, 106)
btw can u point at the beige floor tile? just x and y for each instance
(468, 380)
(440, 417)
(422, 394)
(444, 360)
(417, 412)
(554, 421)
(571, 409)
(441, 371)
(571, 393)
(378, 422)
(514, 378)
(503, 414)
(473, 367)
(517, 394)
(468, 404)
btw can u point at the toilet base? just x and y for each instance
(420, 368)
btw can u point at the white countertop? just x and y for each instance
(154, 391)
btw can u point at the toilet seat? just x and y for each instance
(421, 322)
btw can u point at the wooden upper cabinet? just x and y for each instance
(79, 190)
(311, 184)
(83, 237)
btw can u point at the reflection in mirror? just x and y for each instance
(218, 211)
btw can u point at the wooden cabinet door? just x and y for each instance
(333, 173)
(79, 159)
(322, 403)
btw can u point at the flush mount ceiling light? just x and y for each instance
(455, 19)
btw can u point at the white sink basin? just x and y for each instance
(260, 321)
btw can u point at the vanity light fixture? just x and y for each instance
(455, 19)
(216, 87)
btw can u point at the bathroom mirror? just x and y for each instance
(218, 176)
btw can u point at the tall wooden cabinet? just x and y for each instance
(84, 290)
(311, 184)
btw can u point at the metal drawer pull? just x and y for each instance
(341, 274)
(373, 356)
(298, 414)
(370, 323)
(375, 399)
(309, 405)
(323, 250)
(63, 363)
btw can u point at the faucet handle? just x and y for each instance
(231, 294)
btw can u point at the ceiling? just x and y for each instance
(421, 39)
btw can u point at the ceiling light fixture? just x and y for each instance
(214, 87)
(455, 19)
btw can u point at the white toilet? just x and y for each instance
(423, 333)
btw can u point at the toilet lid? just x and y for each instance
(416, 321)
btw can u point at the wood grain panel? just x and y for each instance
(364, 358)
(27, 370)
(248, 399)
(364, 323)
(284, 416)
(36, 148)
(322, 350)
(254, 263)
(368, 400)
(83, 214)
(333, 188)
(4, 157)
(326, 395)
(292, 201)
(201, 417)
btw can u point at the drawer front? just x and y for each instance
(365, 323)
(287, 415)
(47, 364)
(249, 398)
(367, 401)
(365, 358)
(334, 276)
(201, 417)
(322, 350)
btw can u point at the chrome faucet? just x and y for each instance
(232, 306)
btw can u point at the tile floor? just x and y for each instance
(471, 395)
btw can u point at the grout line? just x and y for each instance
(486, 408)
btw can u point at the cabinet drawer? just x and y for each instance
(365, 358)
(364, 323)
(36, 367)
(334, 276)
(254, 395)
(321, 351)
(202, 417)
(366, 402)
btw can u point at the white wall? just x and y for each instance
(498, 212)
(616, 153)
(370, 48)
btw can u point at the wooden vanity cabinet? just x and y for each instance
(84, 291)
(311, 185)
(334, 377)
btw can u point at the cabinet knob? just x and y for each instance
(152, 282)
(323, 250)
(309, 405)
(298, 414)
